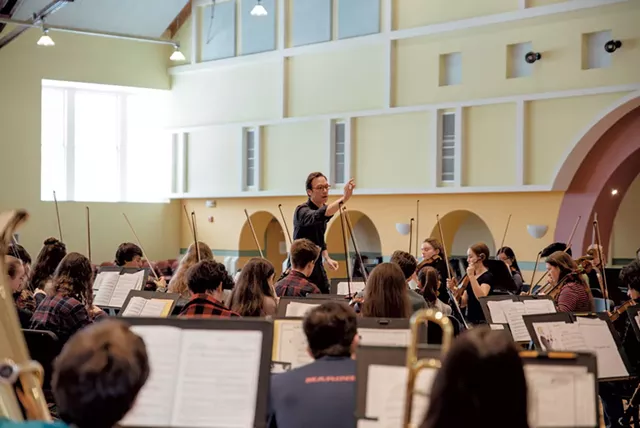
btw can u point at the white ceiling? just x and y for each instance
(139, 17)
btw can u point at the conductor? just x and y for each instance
(310, 221)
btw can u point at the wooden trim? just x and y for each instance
(178, 21)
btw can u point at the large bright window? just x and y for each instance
(104, 144)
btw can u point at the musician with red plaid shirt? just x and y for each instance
(206, 280)
(304, 254)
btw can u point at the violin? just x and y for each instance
(613, 316)
(429, 261)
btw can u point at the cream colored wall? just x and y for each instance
(291, 152)
(334, 82)
(393, 151)
(490, 145)
(413, 13)
(553, 127)
(626, 233)
(82, 59)
(217, 160)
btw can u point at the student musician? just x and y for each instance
(47, 261)
(303, 255)
(254, 294)
(507, 255)
(429, 283)
(480, 282)
(310, 221)
(17, 281)
(574, 294)
(552, 248)
(481, 384)
(321, 394)
(432, 255)
(71, 307)
(178, 284)
(385, 294)
(129, 255)
(19, 252)
(408, 265)
(206, 280)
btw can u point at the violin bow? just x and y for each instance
(195, 234)
(355, 244)
(144, 253)
(603, 285)
(411, 234)
(446, 260)
(417, 225)
(346, 248)
(253, 231)
(89, 233)
(55, 201)
(186, 214)
(506, 229)
(284, 221)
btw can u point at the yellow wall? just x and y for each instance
(83, 59)
(552, 127)
(413, 13)
(335, 82)
(489, 145)
(626, 234)
(393, 151)
(291, 152)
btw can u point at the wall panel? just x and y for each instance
(214, 160)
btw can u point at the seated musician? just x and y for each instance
(49, 257)
(254, 294)
(178, 283)
(304, 254)
(385, 294)
(71, 307)
(552, 248)
(129, 255)
(19, 252)
(429, 283)
(206, 280)
(432, 255)
(408, 265)
(507, 255)
(25, 304)
(481, 384)
(574, 294)
(321, 394)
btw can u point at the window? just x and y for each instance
(593, 53)
(251, 157)
(517, 66)
(451, 69)
(340, 151)
(448, 143)
(104, 144)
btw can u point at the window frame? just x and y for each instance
(257, 158)
(333, 153)
(455, 143)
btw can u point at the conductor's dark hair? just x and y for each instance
(483, 370)
(630, 275)
(312, 177)
(19, 252)
(552, 248)
(46, 263)
(98, 375)
(206, 275)
(330, 329)
(126, 252)
(406, 261)
(303, 252)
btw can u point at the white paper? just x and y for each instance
(292, 344)
(217, 379)
(152, 407)
(104, 293)
(297, 309)
(539, 306)
(514, 313)
(126, 283)
(106, 278)
(384, 337)
(386, 392)
(135, 307)
(364, 423)
(496, 327)
(154, 308)
(343, 288)
(496, 310)
(560, 396)
(599, 340)
(638, 320)
(545, 331)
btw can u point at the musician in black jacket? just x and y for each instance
(310, 221)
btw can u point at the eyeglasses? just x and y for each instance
(325, 187)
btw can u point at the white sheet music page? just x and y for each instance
(343, 287)
(156, 308)
(105, 292)
(497, 308)
(599, 340)
(135, 307)
(545, 331)
(384, 336)
(292, 343)
(539, 306)
(386, 392)
(217, 379)
(126, 283)
(152, 407)
(560, 396)
(107, 278)
(514, 313)
(298, 309)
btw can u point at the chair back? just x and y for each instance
(44, 347)
(602, 305)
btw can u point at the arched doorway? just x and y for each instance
(625, 237)
(367, 238)
(598, 173)
(270, 237)
(462, 228)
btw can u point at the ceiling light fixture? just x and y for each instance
(259, 9)
(177, 55)
(45, 40)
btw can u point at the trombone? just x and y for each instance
(415, 365)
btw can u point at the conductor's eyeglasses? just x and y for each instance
(320, 188)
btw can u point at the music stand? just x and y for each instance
(149, 295)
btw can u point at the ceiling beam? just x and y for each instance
(179, 21)
(37, 18)
(8, 7)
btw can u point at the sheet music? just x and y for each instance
(126, 283)
(135, 307)
(151, 408)
(384, 337)
(297, 309)
(496, 326)
(386, 392)
(496, 310)
(158, 308)
(539, 306)
(364, 423)
(107, 278)
(292, 344)
(217, 379)
(560, 396)
(599, 340)
(514, 313)
(356, 287)
(105, 292)
(545, 331)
